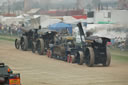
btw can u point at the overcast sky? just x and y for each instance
(56, 0)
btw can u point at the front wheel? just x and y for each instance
(49, 53)
(68, 58)
(17, 43)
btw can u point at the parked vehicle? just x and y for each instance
(7, 77)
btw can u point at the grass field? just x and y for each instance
(8, 38)
(119, 55)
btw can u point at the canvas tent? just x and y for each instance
(48, 22)
(61, 26)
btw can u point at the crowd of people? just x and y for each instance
(120, 43)
(10, 29)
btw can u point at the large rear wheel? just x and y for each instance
(24, 43)
(90, 57)
(33, 47)
(40, 46)
(108, 58)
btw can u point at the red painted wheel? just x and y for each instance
(48, 53)
(68, 58)
(72, 59)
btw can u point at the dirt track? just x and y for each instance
(40, 70)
